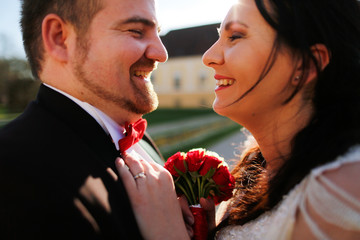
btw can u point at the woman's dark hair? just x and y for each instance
(334, 126)
(77, 12)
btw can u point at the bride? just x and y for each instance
(289, 72)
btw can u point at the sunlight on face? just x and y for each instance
(234, 9)
(239, 58)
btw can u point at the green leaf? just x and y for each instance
(189, 185)
(199, 188)
(179, 186)
(210, 173)
(186, 166)
(208, 186)
(194, 176)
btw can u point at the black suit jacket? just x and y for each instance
(57, 176)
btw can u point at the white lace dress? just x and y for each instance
(342, 210)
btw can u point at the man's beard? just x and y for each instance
(146, 100)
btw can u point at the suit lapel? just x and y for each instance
(151, 152)
(80, 122)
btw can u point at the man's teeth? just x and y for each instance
(224, 82)
(142, 74)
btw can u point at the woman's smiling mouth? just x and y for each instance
(225, 82)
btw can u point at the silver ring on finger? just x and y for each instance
(140, 175)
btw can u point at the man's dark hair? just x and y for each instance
(77, 12)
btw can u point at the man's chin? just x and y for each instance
(154, 107)
(150, 108)
(142, 107)
(151, 104)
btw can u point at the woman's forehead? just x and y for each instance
(243, 12)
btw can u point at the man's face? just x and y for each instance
(113, 61)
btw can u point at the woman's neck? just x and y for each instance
(275, 135)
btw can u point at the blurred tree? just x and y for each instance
(17, 87)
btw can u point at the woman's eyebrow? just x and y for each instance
(230, 23)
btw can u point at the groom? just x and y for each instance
(57, 174)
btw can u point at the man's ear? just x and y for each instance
(55, 33)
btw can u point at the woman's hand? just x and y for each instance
(187, 215)
(152, 194)
(209, 206)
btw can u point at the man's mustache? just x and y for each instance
(145, 63)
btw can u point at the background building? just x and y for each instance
(184, 81)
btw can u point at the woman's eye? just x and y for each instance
(235, 36)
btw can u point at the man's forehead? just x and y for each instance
(131, 11)
(142, 20)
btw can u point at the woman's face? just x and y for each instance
(239, 57)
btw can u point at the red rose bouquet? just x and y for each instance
(200, 174)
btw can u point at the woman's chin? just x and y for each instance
(219, 108)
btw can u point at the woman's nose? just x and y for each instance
(214, 55)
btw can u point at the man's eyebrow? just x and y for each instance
(137, 19)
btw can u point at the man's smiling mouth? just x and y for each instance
(143, 74)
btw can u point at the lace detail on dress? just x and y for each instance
(342, 210)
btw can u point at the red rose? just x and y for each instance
(209, 162)
(222, 176)
(195, 159)
(190, 169)
(177, 160)
(226, 183)
(226, 194)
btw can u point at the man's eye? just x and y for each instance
(136, 31)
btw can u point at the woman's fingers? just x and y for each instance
(189, 230)
(135, 166)
(187, 215)
(209, 206)
(125, 174)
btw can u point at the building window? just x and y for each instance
(202, 80)
(177, 81)
(177, 103)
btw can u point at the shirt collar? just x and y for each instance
(115, 131)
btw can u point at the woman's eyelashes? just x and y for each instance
(235, 36)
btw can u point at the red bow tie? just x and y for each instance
(134, 133)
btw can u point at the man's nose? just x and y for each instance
(156, 50)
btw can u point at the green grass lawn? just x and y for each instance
(8, 116)
(5, 116)
(162, 115)
(205, 142)
(168, 115)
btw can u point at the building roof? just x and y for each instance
(190, 41)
